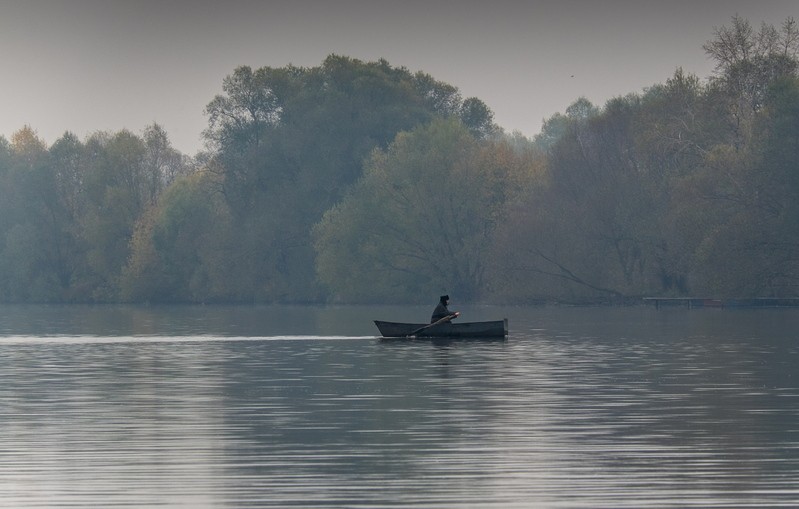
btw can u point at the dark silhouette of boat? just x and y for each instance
(492, 329)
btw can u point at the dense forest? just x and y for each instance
(361, 182)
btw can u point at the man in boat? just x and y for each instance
(442, 311)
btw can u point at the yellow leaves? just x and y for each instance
(27, 145)
(26, 140)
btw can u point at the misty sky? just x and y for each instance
(89, 65)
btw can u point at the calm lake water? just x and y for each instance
(307, 407)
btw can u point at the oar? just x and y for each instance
(445, 319)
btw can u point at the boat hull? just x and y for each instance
(493, 329)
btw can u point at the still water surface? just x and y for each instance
(306, 407)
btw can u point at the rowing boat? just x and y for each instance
(492, 329)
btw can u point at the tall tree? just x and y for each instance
(422, 218)
(751, 194)
(591, 227)
(291, 141)
(747, 62)
(181, 250)
(35, 254)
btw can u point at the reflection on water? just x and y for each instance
(305, 407)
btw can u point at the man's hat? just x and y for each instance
(444, 298)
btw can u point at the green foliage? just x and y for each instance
(292, 141)
(587, 229)
(361, 182)
(180, 251)
(687, 189)
(421, 219)
(67, 212)
(34, 248)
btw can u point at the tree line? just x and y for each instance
(363, 182)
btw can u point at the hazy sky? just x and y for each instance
(89, 65)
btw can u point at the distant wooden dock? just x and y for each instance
(698, 302)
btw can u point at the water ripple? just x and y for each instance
(568, 415)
